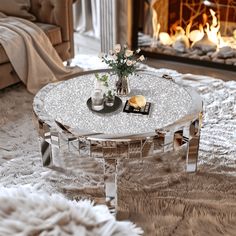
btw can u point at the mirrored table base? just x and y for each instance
(110, 153)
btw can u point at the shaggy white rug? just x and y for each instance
(23, 212)
(161, 202)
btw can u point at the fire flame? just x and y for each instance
(211, 30)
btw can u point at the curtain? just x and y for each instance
(87, 17)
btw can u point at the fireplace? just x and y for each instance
(200, 32)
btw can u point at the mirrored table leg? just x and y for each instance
(49, 144)
(193, 146)
(109, 149)
(110, 182)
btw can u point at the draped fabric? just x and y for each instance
(31, 53)
(87, 17)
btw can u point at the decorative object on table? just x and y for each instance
(106, 109)
(138, 105)
(97, 100)
(101, 82)
(98, 95)
(110, 98)
(123, 63)
(143, 110)
(137, 101)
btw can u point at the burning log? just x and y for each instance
(205, 45)
(231, 61)
(196, 35)
(165, 38)
(226, 52)
(181, 43)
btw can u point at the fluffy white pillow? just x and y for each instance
(18, 8)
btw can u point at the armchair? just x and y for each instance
(56, 19)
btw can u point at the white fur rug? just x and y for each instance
(162, 203)
(23, 212)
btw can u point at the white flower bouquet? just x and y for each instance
(123, 63)
(122, 60)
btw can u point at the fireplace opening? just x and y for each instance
(201, 32)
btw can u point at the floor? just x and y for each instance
(89, 45)
(86, 44)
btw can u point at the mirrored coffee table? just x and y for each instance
(173, 122)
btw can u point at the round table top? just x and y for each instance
(66, 102)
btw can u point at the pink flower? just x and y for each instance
(128, 53)
(141, 58)
(129, 63)
(117, 48)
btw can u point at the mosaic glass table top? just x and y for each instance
(66, 102)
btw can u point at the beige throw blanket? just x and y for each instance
(31, 53)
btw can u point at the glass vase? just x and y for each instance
(122, 86)
(99, 85)
(97, 100)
